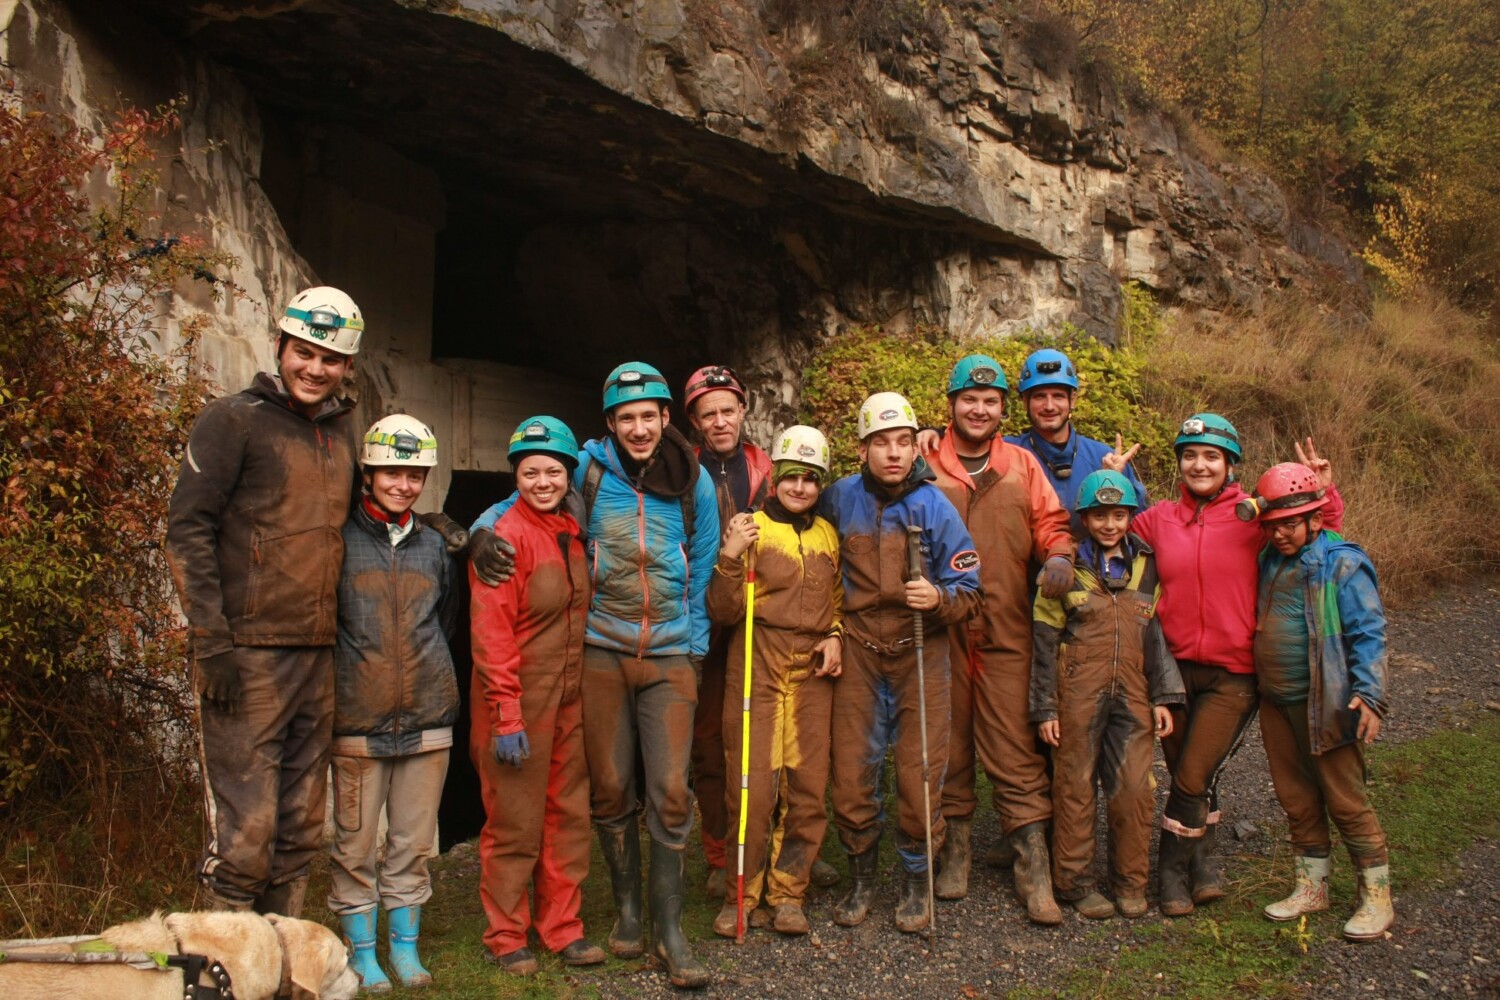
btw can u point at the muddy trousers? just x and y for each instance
(790, 716)
(875, 706)
(632, 704)
(265, 770)
(1206, 732)
(990, 691)
(536, 828)
(708, 750)
(408, 790)
(1105, 741)
(1313, 788)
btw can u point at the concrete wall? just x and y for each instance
(348, 211)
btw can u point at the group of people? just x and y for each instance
(654, 622)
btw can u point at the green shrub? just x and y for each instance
(94, 708)
(863, 360)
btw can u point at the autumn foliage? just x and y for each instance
(95, 714)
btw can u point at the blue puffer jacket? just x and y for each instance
(872, 523)
(395, 692)
(1086, 455)
(1347, 623)
(648, 587)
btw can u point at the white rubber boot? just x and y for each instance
(1310, 894)
(1375, 914)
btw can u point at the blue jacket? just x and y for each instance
(394, 689)
(1347, 624)
(872, 524)
(1086, 454)
(648, 587)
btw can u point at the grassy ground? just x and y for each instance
(1433, 795)
(1227, 951)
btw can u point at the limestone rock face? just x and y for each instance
(558, 185)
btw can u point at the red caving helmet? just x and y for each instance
(1287, 490)
(707, 379)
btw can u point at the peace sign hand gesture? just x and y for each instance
(1116, 460)
(1321, 467)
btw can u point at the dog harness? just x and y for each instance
(86, 950)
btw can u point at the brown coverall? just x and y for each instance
(798, 604)
(1100, 665)
(1014, 515)
(254, 545)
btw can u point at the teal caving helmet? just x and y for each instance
(632, 382)
(1210, 429)
(977, 371)
(1106, 488)
(1048, 367)
(543, 436)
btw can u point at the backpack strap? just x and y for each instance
(593, 475)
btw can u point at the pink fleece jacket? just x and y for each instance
(1205, 556)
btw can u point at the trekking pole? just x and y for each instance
(739, 905)
(914, 561)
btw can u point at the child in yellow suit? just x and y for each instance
(796, 649)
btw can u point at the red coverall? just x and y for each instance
(528, 665)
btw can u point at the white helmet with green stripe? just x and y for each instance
(324, 316)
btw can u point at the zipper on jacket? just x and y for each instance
(640, 527)
(1198, 564)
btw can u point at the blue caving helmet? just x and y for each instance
(543, 436)
(632, 382)
(1210, 429)
(1048, 367)
(1106, 488)
(977, 371)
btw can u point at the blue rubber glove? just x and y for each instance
(512, 749)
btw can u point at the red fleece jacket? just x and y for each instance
(1206, 558)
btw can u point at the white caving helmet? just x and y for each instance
(399, 439)
(324, 316)
(883, 411)
(804, 445)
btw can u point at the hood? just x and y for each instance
(920, 473)
(268, 387)
(671, 473)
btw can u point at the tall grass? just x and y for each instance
(1405, 402)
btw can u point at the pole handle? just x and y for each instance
(914, 552)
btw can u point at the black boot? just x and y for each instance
(912, 913)
(285, 899)
(1205, 868)
(667, 876)
(1172, 860)
(855, 905)
(622, 856)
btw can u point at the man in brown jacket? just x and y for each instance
(254, 543)
(1014, 515)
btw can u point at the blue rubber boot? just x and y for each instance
(406, 924)
(359, 929)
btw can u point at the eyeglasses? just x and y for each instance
(1283, 526)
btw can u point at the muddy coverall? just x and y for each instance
(254, 545)
(1014, 517)
(1310, 669)
(875, 700)
(741, 482)
(1100, 664)
(395, 702)
(798, 603)
(528, 673)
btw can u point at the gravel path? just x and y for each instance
(1446, 665)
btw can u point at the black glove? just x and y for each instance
(493, 558)
(455, 535)
(511, 749)
(219, 680)
(1056, 577)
